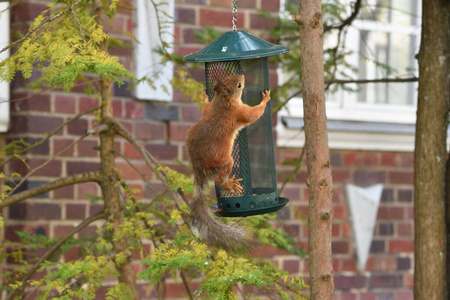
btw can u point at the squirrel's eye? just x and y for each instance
(239, 85)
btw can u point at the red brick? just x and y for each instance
(35, 124)
(61, 230)
(370, 159)
(340, 247)
(291, 265)
(127, 172)
(388, 159)
(117, 108)
(348, 264)
(66, 192)
(405, 229)
(191, 114)
(163, 151)
(134, 110)
(35, 211)
(178, 132)
(352, 159)
(348, 296)
(25, 11)
(340, 176)
(52, 169)
(339, 212)
(391, 213)
(346, 230)
(72, 254)
(77, 127)
(184, 15)
(177, 290)
(407, 160)
(217, 18)
(335, 230)
(259, 22)
(300, 211)
(59, 145)
(385, 263)
(65, 104)
(90, 230)
(368, 296)
(221, 3)
(75, 167)
(386, 281)
(409, 280)
(36, 102)
(85, 189)
(75, 211)
(95, 208)
(270, 5)
(86, 148)
(130, 151)
(367, 176)
(401, 246)
(145, 131)
(349, 282)
(292, 193)
(401, 177)
(86, 103)
(404, 295)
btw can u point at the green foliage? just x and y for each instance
(64, 49)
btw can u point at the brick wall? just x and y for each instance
(389, 268)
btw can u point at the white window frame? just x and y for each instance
(147, 62)
(4, 86)
(396, 130)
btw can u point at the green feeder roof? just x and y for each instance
(236, 45)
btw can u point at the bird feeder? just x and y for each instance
(239, 52)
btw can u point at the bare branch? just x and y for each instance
(78, 178)
(79, 25)
(48, 136)
(364, 81)
(52, 250)
(347, 21)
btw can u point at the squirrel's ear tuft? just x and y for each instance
(221, 88)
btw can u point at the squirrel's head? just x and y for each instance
(230, 88)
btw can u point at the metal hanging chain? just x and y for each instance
(234, 14)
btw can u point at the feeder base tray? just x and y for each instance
(252, 211)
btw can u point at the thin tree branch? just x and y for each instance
(74, 179)
(52, 250)
(48, 136)
(46, 163)
(44, 22)
(364, 81)
(78, 23)
(347, 21)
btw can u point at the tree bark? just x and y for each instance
(320, 185)
(110, 192)
(430, 154)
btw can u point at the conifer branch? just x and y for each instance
(52, 250)
(44, 22)
(53, 185)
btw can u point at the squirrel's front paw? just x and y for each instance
(266, 96)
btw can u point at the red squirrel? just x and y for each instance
(209, 145)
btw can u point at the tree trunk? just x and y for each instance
(108, 184)
(320, 185)
(430, 154)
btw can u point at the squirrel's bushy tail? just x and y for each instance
(214, 233)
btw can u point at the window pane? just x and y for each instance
(397, 12)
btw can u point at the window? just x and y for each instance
(375, 116)
(147, 61)
(4, 86)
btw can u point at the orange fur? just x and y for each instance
(209, 145)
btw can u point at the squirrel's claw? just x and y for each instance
(236, 186)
